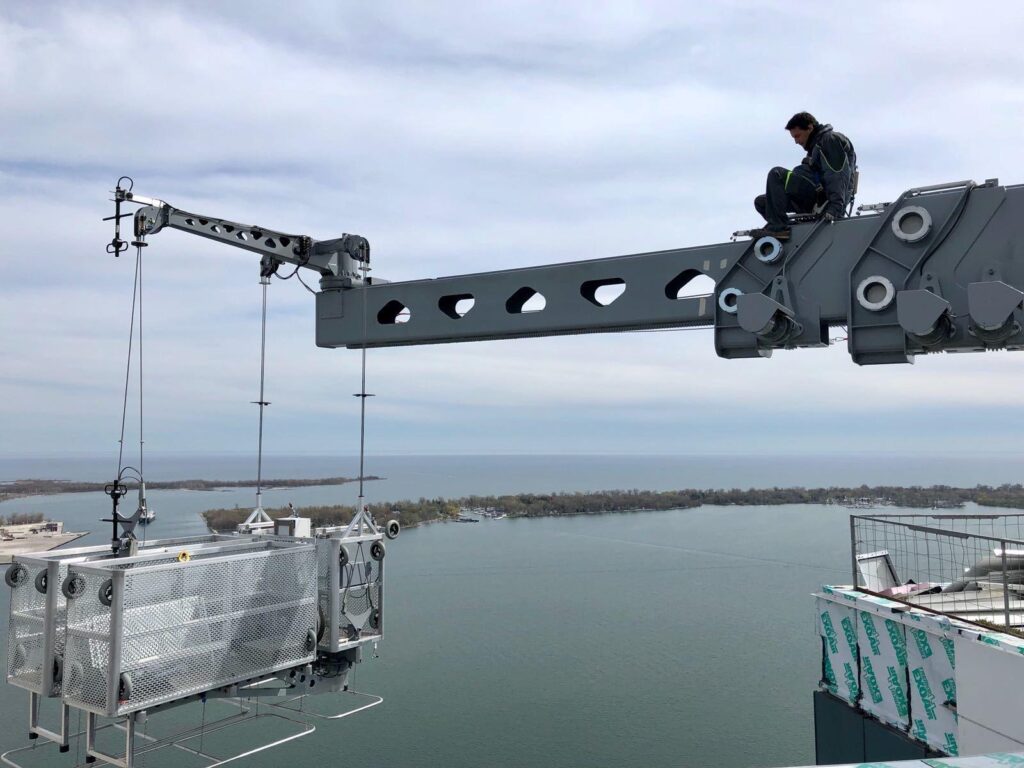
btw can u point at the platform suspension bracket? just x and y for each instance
(122, 537)
(117, 246)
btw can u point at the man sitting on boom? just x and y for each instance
(825, 175)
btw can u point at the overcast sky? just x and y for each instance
(467, 136)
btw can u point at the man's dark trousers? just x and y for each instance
(785, 191)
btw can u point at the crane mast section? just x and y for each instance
(939, 269)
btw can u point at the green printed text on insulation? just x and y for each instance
(952, 747)
(851, 680)
(899, 642)
(899, 696)
(921, 640)
(851, 634)
(869, 676)
(924, 690)
(950, 651)
(830, 632)
(830, 676)
(871, 632)
(949, 688)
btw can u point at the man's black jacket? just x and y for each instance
(832, 159)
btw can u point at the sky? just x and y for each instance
(462, 137)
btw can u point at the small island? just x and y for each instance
(410, 513)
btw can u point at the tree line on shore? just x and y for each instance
(19, 488)
(21, 518)
(411, 512)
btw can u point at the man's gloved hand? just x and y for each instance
(829, 217)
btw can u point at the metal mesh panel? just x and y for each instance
(58, 621)
(360, 611)
(202, 625)
(28, 664)
(26, 633)
(970, 566)
(351, 604)
(362, 570)
(32, 617)
(191, 627)
(325, 554)
(360, 596)
(87, 645)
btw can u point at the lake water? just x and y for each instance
(682, 638)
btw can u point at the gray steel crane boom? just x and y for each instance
(939, 269)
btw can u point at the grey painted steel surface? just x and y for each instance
(651, 281)
(350, 593)
(939, 269)
(961, 243)
(38, 607)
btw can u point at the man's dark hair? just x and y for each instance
(802, 120)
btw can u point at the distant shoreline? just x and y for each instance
(861, 498)
(18, 489)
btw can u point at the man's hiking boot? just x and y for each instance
(781, 235)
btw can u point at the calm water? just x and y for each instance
(680, 638)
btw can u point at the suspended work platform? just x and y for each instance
(256, 623)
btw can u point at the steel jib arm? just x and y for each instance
(338, 262)
(939, 269)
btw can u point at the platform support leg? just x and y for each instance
(35, 730)
(92, 754)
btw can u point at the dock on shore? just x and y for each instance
(34, 537)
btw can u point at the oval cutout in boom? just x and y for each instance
(688, 284)
(525, 300)
(393, 313)
(602, 293)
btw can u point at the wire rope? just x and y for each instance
(262, 403)
(142, 473)
(362, 397)
(142, 470)
(128, 366)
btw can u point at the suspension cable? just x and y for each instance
(362, 397)
(143, 506)
(128, 366)
(142, 473)
(262, 403)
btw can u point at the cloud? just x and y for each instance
(461, 140)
